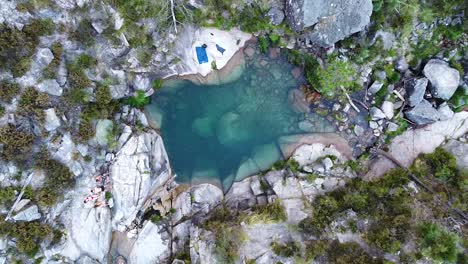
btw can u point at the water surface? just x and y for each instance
(229, 131)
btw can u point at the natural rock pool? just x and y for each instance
(229, 131)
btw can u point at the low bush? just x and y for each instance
(77, 77)
(17, 145)
(33, 103)
(84, 33)
(8, 91)
(271, 212)
(437, 243)
(139, 100)
(85, 61)
(17, 46)
(289, 249)
(28, 235)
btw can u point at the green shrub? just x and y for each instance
(103, 95)
(289, 249)
(274, 39)
(441, 164)
(438, 243)
(86, 131)
(108, 196)
(84, 33)
(350, 253)
(58, 176)
(17, 46)
(157, 84)
(263, 44)
(77, 77)
(17, 145)
(271, 212)
(2, 110)
(315, 249)
(51, 69)
(85, 61)
(7, 195)
(32, 104)
(139, 100)
(8, 91)
(228, 241)
(327, 80)
(28, 235)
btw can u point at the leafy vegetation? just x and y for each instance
(139, 100)
(28, 235)
(8, 91)
(58, 179)
(437, 243)
(17, 46)
(51, 70)
(17, 145)
(289, 249)
(33, 103)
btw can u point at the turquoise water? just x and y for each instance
(230, 131)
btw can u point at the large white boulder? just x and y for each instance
(444, 79)
(149, 248)
(191, 37)
(139, 169)
(407, 146)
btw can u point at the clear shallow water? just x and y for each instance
(229, 131)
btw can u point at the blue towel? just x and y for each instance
(201, 55)
(220, 49)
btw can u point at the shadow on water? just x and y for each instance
(226, 132)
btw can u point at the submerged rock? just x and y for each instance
(444, 79)
(334, 20)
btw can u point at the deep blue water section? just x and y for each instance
(230, 130)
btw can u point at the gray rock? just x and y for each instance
(44, 57)
(415, 89)
(149, 247)
(276, 15)
(333, 19)
(21, 204)
(445, 111)
(392, 127)
(327, 163)
(375, 87)
(402, 65)
(103, 127)
(376, 113)
(373, 125)
(51, 120)
(51, 87)
(140, 167)
(387, 108)
(29, 214)
(460, 151)
(196, 3)
(423, 113)
(358, 130)
(444, 79)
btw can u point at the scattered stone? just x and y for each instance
(381, 75)
(359, 130)
(51, 120)
(415, 89)
(376, 113)
(29, 214)
(444, 79)
(375, 87)
(51, 87)
(401, 64)
(373, 125)
(256, 186)
(327, 163)
(21, 204)
(445, 111)
(459, 150)
(392, 127)
(423, 113)
(276, 15)
(388, 109)
(44, 57)
(103, 128)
